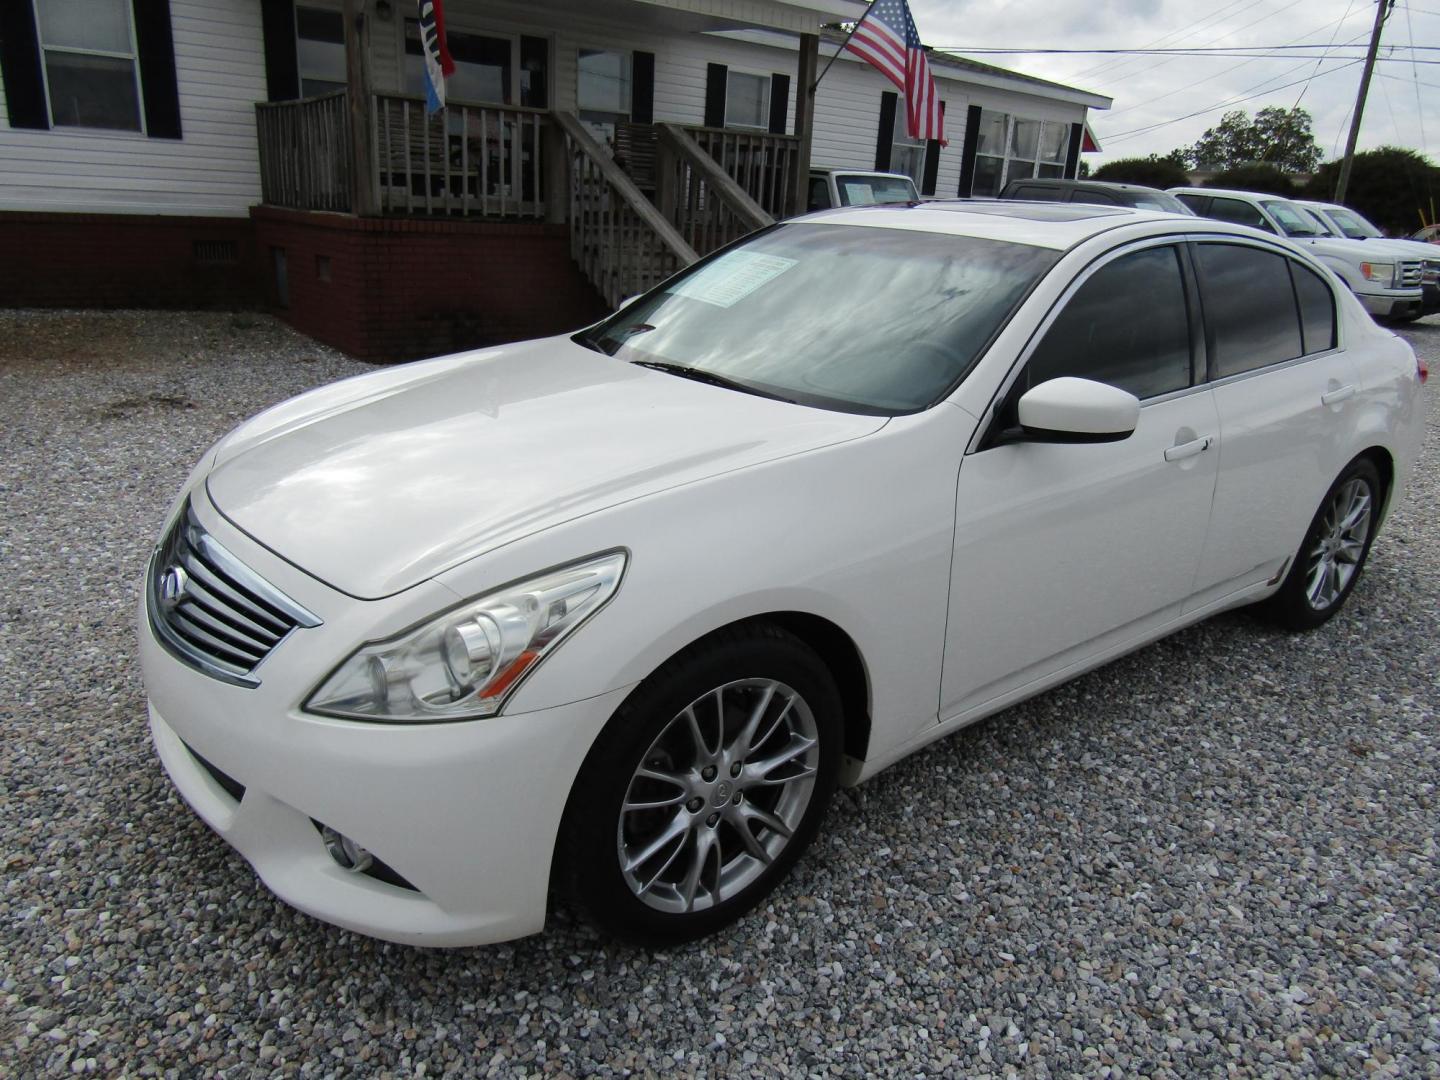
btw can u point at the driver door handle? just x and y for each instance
(1189, 449)
(1334, 397)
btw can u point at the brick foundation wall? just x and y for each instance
(127, 260)
(393, 289)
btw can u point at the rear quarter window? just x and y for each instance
(1317, 309)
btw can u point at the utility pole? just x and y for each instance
(1382, 9)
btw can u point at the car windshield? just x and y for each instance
(845, 317)
(1293, 220)
(1353, 225)
(861, 190)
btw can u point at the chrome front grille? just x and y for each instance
(211, 610)
(1410, 274)
(1430, 272)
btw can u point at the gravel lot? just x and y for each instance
(1217, 855)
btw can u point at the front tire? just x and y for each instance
(1334, 551)
(704, 789)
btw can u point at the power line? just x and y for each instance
(1224, 104)
(1219, 50)
(1333, 35)
(1415, 73)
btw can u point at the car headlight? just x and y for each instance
(1380, 273)
(464, 664)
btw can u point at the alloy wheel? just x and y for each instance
(1339, 544)
(718, 795)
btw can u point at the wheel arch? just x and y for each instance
(1384, 463)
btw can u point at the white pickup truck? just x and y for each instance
(853, 187)
(1389, 287)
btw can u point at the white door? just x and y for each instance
(1286, 398)
(1063, 549)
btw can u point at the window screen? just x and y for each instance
(1128, 326)
(1250, 306)
(1317, 309)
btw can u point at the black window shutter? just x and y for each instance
(1072, 156)
(967, 151)
(715, 78)
(282, 65)
(931, 174)
(779, 102)
(156, 51)
(642, 87)
(535, 59)
(20, 67)
(885, 138)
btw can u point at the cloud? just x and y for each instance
(1151, 91)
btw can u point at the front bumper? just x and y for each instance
(467, 813)
(1392, 304)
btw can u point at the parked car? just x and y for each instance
(614, 613)
(1430, 234)
(1388, 287)
(1099, 192)
(1344, 222)
(830, 188)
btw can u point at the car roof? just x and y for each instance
(1232, 193)
(1058, 226)
(1056, 181)
(861, 172)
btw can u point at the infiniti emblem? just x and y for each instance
(172, 587)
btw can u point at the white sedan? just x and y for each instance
(613, 614)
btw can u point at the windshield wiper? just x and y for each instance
(710, 379)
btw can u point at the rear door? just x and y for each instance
(1063, 550)
(1286, 396)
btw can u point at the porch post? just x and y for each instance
(805, 117)
(357, 86)
(557, 172)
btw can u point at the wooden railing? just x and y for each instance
(762, 163)
(305, 153)
(468, 160)
(706, 205)
(617, 236)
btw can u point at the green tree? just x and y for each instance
(1152, 171)
(1279, 137)
(1391, 186)
(1264, 178)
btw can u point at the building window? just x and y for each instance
(1013, 148)
(91, 76)
(602, 91)
(907, 155)
(320, 48)
(485, 66)
(747, 101)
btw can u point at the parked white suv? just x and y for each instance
(1388, 287)
(1343, 222)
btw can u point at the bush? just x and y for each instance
(1266, 179)
(1390, 186)
(1152, 172)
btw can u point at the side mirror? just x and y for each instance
(1072, 410)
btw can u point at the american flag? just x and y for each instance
(886, 38)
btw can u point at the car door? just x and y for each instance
(1285, 395)
(1065, 549)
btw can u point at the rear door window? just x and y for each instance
(1099, 198)
(1249, 306)
(1128, 325)
(1036, 192)
(1237, 213)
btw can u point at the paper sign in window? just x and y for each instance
(733, 277)
(859, 194)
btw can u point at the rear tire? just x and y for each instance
(1334, 551)
(704, 788)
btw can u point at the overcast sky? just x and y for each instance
(1149, 90)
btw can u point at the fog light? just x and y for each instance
(350, 855)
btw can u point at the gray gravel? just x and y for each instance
(1217, 855)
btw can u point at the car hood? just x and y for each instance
(378, 483)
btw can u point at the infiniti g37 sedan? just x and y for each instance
(610, 615)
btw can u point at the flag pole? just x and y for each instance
(841, 49)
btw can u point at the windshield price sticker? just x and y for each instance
(733, 277)
(861, 194)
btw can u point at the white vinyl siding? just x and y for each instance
(213, 170)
